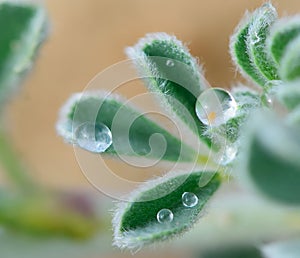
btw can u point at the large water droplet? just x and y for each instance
(215, 106)
(189, 199)
(93, 137)
(165, 216)
(170, 63)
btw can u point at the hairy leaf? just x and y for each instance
(23, 28)
(290, 63)
(271, 162)
(169, 69)
(131, 130)
(256, 41)
(282, 33)
(248, 45)
(135, 222)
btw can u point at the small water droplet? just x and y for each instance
(189, 199)
(170, 63)
(229, 154)
(267, 100)
(165, 216)
(93, 137)
(215, 106)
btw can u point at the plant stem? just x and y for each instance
(12, 165)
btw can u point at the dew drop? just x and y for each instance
(267, 100)
(165, 216)
(170, 63)
(229, 154)
(189, 199)
(93, 137)
(215, 106)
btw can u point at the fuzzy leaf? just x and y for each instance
(169, 69)
(23, 28)
(271, 162)
(135, 222)
(131, 131)
(282, 33)
(256, 41)
(290, 64)
(248, 45)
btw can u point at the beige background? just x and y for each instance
(89, 35)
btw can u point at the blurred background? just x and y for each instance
(87, 36)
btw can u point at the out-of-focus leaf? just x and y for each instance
(290, 63)
(23, 28)
(135, 222)
(282, 33)
(271, 159)
(289, 94)
(233, 252)
(285, 249)
(44, 215)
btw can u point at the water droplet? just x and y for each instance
(215, 106)
(189, 199)
(93, 137)
(170, 63)
(229, 154)
(267, 100)
(165, 216)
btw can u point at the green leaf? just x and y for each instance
(285, 249)
(248, 45)
(282, 33)
(233, 252)
(135, 222)
(257, 36)
(271, 159)
(131, 131)
(290, 63)
(289, 95)
(23, 28)
(168, 69)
